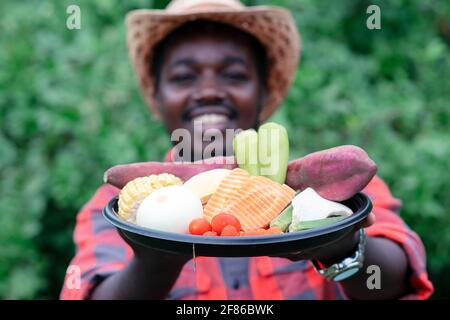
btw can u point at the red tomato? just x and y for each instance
(230, 231)
(210, 233)
(199, 226)
(222, 220)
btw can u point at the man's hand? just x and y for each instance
(382, 252)
(149, 275)
(149, 256)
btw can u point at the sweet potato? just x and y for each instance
(119, 175)
(335, 174)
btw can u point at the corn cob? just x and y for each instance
(135, 191)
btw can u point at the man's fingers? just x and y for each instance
(367, 222)
(371, 219)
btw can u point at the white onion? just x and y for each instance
(169, 209)
(308, 205)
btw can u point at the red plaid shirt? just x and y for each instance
(100, 252)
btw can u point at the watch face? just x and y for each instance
(346, 273)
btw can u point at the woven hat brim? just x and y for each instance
(274, 27)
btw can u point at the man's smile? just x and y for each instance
(210, 117)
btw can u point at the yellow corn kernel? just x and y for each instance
(135, 191)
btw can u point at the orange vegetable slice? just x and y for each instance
(259, 202)
(227, 192)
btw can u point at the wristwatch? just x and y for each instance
(347, 267)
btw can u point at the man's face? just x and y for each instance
(212, 80)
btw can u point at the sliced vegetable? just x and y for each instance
(227, 192)
(274, 230)
(259, 202)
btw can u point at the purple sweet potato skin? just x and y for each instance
(120, 175)
(336, 174)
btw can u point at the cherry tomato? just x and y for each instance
(222, 220)
(230, 231)
(210, 233)
(199, 226)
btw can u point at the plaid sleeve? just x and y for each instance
(100, 251)
(389, 225)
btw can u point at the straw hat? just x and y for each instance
(272, 26)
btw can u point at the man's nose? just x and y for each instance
(208, 90)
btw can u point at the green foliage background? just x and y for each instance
(70, 108)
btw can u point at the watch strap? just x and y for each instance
(347, 267)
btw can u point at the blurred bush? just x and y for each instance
(70, 108)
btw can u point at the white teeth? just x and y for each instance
(210, 119)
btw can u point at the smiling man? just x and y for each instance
(219, 65)
(208, 76)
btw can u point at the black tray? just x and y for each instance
(241, 246)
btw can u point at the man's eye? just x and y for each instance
(182, 78)
(237, 76)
